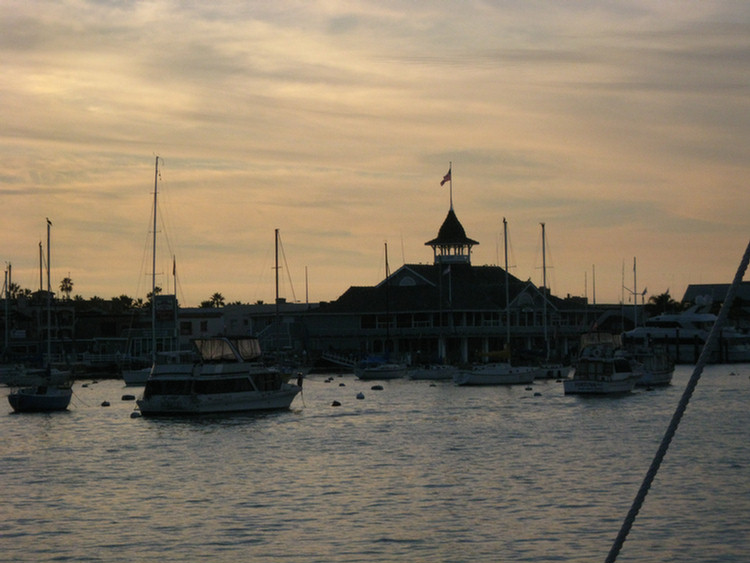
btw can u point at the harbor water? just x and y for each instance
(417, 471)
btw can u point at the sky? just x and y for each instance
(623, 126)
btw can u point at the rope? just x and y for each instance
(672, 429)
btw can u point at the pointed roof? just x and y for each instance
(451, 233)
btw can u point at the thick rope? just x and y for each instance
(672, 429)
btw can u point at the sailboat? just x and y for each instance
(500, 373)
(377, 367)
(653, 364)
(48, 389)
(279, 349)
(551, 368)
(139, 375)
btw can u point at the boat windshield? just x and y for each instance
(227, 350)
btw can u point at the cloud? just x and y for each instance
(620, 124)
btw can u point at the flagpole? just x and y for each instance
(450, 169)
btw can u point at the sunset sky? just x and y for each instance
(624, 126)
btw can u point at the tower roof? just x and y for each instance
(451, 233)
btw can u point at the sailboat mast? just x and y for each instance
(387, 301)
(276, 268)
(41, 266)
(635, 296)
(49, 299)
(153, 267)
(7, 308)
(544, 287)
(507, 290)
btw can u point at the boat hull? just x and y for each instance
(651, 376)
(193, 404)
(136, 376)
(593, 387)
(432, 373)
(385, 371)
(40, 399)
(500, 374)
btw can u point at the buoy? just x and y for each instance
(335, 404)
(105, 403)
(135, 414)
(128, 397)
(342, 384)
(360, 395)
(537, 394)
(528, 389)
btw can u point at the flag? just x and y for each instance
(447, 177)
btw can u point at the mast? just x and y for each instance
(276, 267)
(544, 288)
(387, 302)
(49, 300)
(7, 309)
(507, 290)
(153, 268)
(41, 266)
(277, 330)
(635, 296)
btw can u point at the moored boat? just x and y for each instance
(495, 374)
(42, 389)
(653, 365)
(434, 372)
(374, 370)
(41, 398)
(225, 376)
(601, 368)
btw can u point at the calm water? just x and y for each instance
(415, 472)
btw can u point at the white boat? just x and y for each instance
(654, 367)
(684, 334)
(601, 368)
(495, 374)
(225, 376)
(434, 372)
(549, 370)
(499, 373)
(653, 364)
(374, 370)
(45, 389)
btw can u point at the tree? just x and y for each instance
(150, 295)
(66, 287)
(14, 290)
(217, 300)
(663, 303)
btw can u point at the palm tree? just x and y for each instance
(663, 303)
(217, 300)
(66, 287)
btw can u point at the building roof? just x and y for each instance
(435, 287)
(714, 292)
(451, 233)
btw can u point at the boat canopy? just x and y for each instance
(223, 349)
(598, 338)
